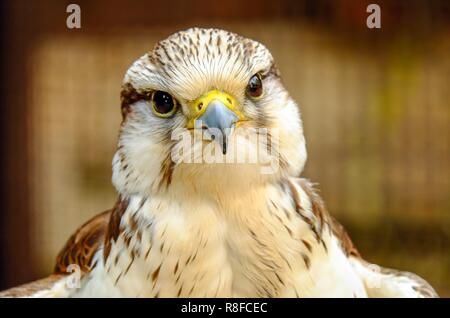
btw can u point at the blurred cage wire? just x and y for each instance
(375, 106)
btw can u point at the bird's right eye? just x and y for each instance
(163, 104)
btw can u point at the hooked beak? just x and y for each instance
(219, 120)
(217, 112)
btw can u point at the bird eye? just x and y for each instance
(163, 104)
(254, 86)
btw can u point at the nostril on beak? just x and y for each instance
(218, 118)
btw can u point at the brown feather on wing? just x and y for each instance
(82, 245)
(79, 250)
(346, 242)
(322, 214)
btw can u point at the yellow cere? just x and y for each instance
(199, 106)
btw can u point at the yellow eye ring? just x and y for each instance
(163, 104)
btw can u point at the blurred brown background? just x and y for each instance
(375, 104)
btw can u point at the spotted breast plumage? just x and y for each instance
(203, 228)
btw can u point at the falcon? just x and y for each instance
(185, 226)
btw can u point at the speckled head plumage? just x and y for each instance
(187, 65)
(190, 62)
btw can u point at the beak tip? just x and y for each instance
(218, 116)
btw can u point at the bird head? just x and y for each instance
(206, 110)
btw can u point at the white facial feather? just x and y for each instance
(187, 65)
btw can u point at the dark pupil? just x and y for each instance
(255, 86)
(163, 102)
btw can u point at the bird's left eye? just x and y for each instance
(163, 104)
(254, 86)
